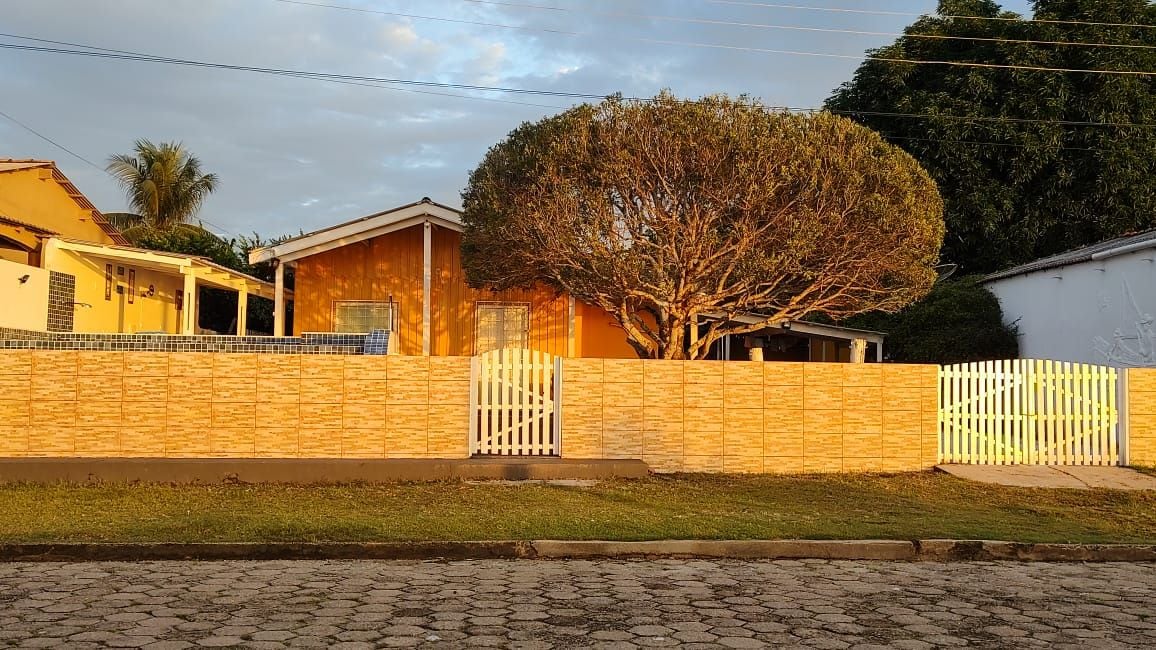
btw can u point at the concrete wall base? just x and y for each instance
(307, 470)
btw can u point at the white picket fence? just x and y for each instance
(1028, 411)
(514, 398)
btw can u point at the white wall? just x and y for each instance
(23, 305)
(1093, 312)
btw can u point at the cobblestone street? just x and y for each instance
(576, 604)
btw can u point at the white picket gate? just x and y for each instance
(514, 403)
(1028, 412)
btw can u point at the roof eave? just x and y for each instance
(360, 229)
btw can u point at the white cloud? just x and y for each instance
(297, 155)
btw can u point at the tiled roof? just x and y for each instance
(1078, 255)
(27, 226)
(11, 165)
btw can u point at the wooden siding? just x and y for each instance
(392, 265)
(453, 315)
(375, 269)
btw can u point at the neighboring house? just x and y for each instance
(1092, 305)
(65, 268)
(400, 270)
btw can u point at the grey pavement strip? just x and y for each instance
(612, 604)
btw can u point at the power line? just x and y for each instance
(877, 12)
(966, 118)
(82, 158)
(397, 14)
(371, 81)
(293, 74)
(52, 142)
(977, 142)
(853, 57)
(729, 23)
(148, 58)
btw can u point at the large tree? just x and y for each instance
(664, 211)
(164, 184)
(1022, 172)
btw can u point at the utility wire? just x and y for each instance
(461, 21)
(83, 159)
(290, 72)
(720, 46)
(728, 23)
(373, 81)
(877, 12)
(52, 142)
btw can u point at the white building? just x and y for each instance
(1093, 305)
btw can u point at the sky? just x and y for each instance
(298, 154)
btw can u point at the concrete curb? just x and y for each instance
(937, 550)
(733, 549)
(948, 550)
(270, 551)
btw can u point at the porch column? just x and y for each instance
(279, 300)
(242, 312)
(859, 351)
(189, 317)
(571, 333)
(879, 352)
(426, 288)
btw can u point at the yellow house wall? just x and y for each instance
(95, 314)
(23, 305)
(1141, 416)
(13, 255)
(31, 196)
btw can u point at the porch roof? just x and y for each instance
(204, 270)
(816, 329)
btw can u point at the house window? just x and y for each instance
(363, 316)
(502, 325)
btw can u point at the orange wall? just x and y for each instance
(453, 317)
(375, 269)
(600, 336)
(392, 265)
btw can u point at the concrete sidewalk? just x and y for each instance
(1053, 476)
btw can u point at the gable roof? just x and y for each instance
(1095, 252)
(361, 229)
(12, 165)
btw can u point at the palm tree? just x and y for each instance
(164, 184)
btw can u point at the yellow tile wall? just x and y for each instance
(1140, 416)
(160, 404)
(676, 415)
(786, 418)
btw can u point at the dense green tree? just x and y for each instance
(959, 321)
(1016, 190)
(660, 211)
(164, 184)
(218, 307)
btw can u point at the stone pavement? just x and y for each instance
(577, 604)
(1075, 477)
